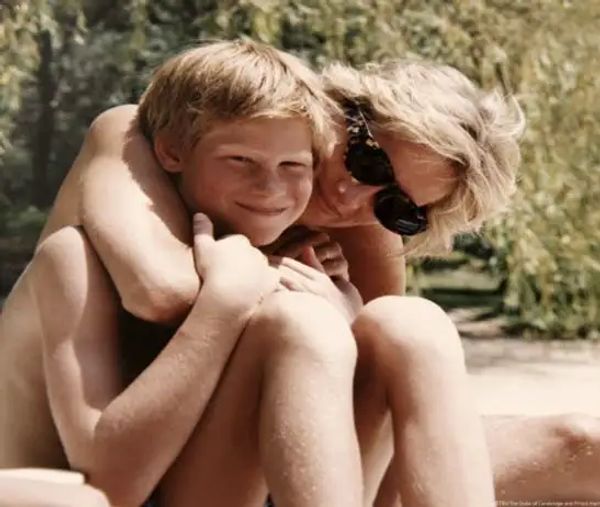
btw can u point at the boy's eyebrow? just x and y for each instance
(302, 155)
(305, 157)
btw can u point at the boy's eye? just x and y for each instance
(240, 159)
(290, 164)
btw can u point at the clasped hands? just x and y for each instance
(301, 260)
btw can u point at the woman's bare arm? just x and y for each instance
(377, 267)
(136, 220)
(124, 190)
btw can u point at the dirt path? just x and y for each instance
(512, 376)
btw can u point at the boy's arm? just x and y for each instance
(136, 220)
(376, 265)
(125, 440)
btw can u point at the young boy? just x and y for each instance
(239, 127)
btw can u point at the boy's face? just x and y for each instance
(251, 177)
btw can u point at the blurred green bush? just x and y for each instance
(63, 61)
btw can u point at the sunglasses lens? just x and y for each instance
(369, 165)
(398, 214)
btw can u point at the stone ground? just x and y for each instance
(514, 376)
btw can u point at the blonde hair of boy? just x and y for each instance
(234, 80)
(437, 106)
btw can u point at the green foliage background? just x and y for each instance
(64, 61)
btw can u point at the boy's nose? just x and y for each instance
(266, 181)
(353, 195)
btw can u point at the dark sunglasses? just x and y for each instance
(366, 161)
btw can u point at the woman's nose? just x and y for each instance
(354, 195)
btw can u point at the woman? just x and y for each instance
(420, 150)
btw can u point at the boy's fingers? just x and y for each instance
(292, 280)
(203, 231)
(289, 265)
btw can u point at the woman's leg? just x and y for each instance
(282, 411)
(548, 458)
(543, 459)
(388, 494)
(373, 419)
(440, 452)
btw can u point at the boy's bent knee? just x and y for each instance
(410, 326)
(69, 276)
(295, 321)
(67, 239)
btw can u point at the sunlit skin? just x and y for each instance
(338, 200)
(265, 175)
(337, 204)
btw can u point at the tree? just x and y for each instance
(64, 61)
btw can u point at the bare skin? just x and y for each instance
(375, 267)
(31, 492)
(83, 324)
(372, 286)
(140, 444)
(265, 372)
(114, 432)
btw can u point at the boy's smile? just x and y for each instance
(251, 177)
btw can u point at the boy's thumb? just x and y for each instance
(203, 231)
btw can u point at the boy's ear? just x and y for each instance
(168, 152)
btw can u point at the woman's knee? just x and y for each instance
(411, 327)
(580, 437)
(580, 434)
(302, 323)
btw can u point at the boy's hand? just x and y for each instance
(232, 266)
(308, 275)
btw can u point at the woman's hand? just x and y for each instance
(309, 275)
(237, 271)
(294, 242)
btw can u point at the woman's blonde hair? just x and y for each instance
(233, 80)
(437, 106)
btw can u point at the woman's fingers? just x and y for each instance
(337, 268)
(309, 257)
(332, 259)
(294, 248)
(328, 250)
(309, 262)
